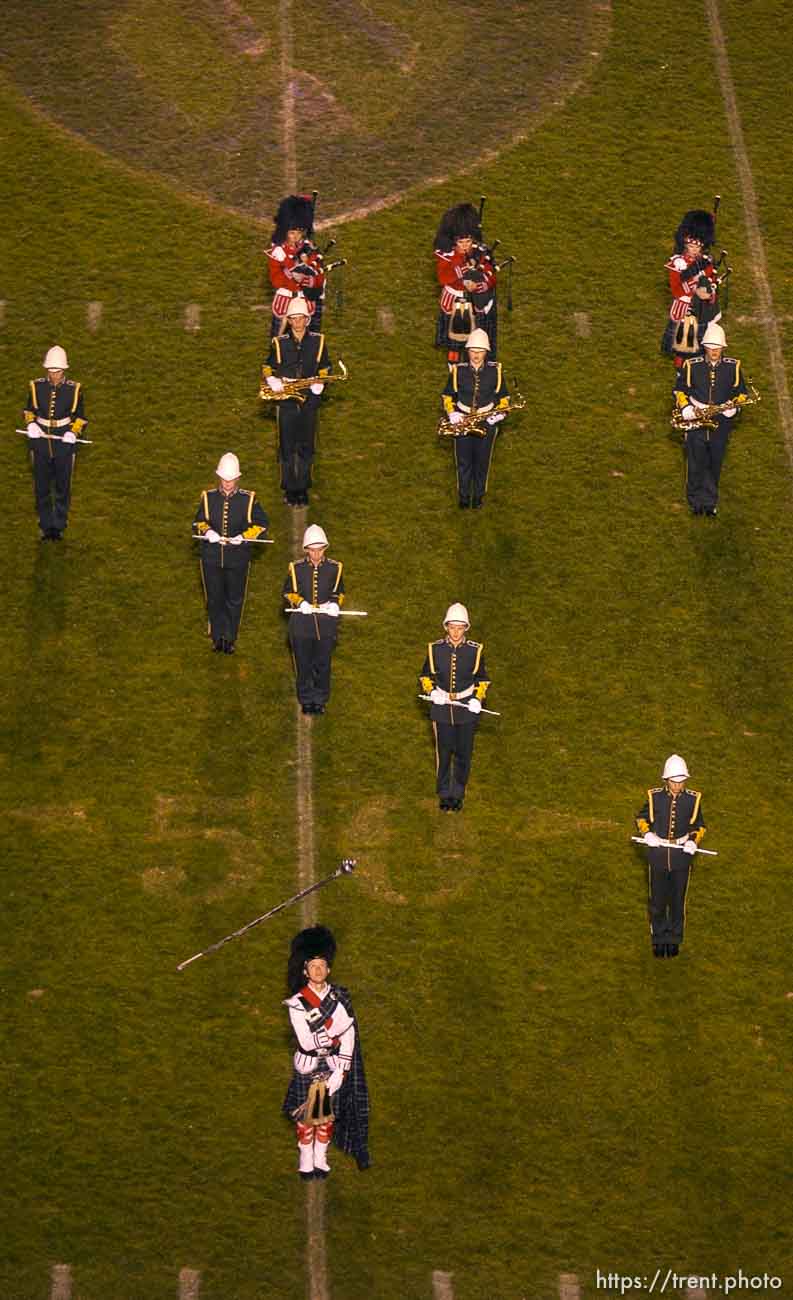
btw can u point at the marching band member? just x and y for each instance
(227, 517)
(693, 285)
(327, 1097)
(467, 276)
(674, 813)
(475, 385)
(54, 419)
(298, 354)
(294, 262)
(709, 380)
(314, 588)
(454, 670)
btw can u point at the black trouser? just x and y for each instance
(52, 475)
(667, 903)
(705, 452)
(296, 429)
(225, 592)
(454, 747)
(312, 657)
(472, 457)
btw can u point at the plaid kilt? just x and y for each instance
(350, 1105)
(488, 323)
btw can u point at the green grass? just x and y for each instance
(546, 1098)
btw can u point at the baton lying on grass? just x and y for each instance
(346, 868)
(461, 704)
(226, 541)
(346, 613)
(57, 436)
(670, 844)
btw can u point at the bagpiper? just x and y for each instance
(693, 283)
(54, 419)
(467, 276)
(327, 1098)
(294, 262)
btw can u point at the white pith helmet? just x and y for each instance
(675, 768)
(478, 339)
(298, 307)
(56, 359)
(714, 337)
(228, 467)
(314, 536)
(456, 614)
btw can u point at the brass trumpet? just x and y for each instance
(292, 390)
(706, 415)
(474, 424)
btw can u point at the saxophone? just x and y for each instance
(292, 390)
(706, 415)
(474, 424)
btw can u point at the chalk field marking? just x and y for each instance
(696, 1293)
(601, 35)
(2, 311)
(189, 1283)
(93, 316)
(192, 317)
(288, 98)
(583, 325)
(442, 1285)
(61, 1288)
(385, 319)
(752, 219)
(569, 1287)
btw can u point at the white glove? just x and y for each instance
(438, 696)
(688, 412)
(236, 541)
(34, 430)
(455, 417)
(652, 839)
(211, 535)
(336, 1080)
(730, 411)
(274, 383)
(330, 607)
(317, 389)
(69, 436)
(690, 846)
(495, 419)
(474, 706)
(305, 608)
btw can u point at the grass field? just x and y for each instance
(547, 1099)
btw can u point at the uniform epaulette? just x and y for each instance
(441, 641)
(468, 641)
(696, 793)
(657, 789)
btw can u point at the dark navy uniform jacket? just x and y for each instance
(710, 384)
(57, 408)
(460, 671)
(229, 516)
(673, 817)
(289, 359)
(317, 584)
(468, 389)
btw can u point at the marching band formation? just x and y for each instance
(328, 1089)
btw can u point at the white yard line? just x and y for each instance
(2, 311)
(288, 97)
(61, 1288)
(569, 1287)
(189, 1283)
(93, 316)
(385, 319)
(752, 219)
(583, 325)
(442, 1288)
(192, 317)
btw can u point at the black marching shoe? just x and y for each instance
(477, 503)
(228, 647)
(672, 949)
(712, 513)
(456, 805)
(218, 646)
(321, 1173)
(445, 805)
(464, 504)
(307, 1176)
(659, 950)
